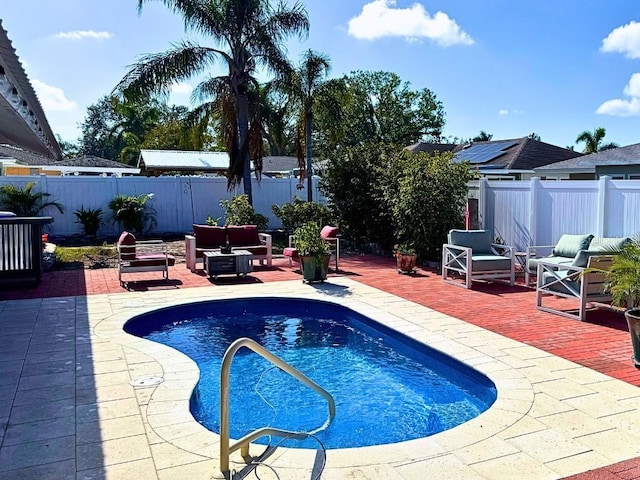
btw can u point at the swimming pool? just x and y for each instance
(388, 387)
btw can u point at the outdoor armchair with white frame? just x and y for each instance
(586, 284)
(472, 254)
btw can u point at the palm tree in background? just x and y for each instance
(593, 141)
(302, 85)
(246, 34)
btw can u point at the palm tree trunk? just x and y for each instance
(307, 143)
(243, 138)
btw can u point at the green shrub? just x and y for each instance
(238, 211)
(91, 219)
(294, 214)
(133, 213)
(24, 202)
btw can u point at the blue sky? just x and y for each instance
(508, 67)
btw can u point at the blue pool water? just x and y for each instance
(387, 387)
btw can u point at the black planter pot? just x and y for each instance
(633, 321)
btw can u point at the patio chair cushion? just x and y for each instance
(478, 240)
(243, 235)
(127, 252)
(329, 232)
(254, 249)
(488, 263)
(570, 245)
(602, 244)
(209, 236)
(291, 252)
(533, 262)
(154, 260)
(582, 257)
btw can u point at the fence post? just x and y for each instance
(534, 186)
(603, 185)
(483, 208)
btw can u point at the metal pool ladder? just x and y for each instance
(243, 443)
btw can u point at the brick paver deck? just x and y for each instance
(601, 343)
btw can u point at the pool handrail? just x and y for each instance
(243, 443)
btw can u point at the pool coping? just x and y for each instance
(530, 398)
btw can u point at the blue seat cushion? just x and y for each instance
(603, 244)
(487, 263)
(533, 262)
(479, 241)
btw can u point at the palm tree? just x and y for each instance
(482, 137)
(24, 202)
(302, 85)
(247, 34)
(593, 141)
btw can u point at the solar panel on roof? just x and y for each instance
(484, 152)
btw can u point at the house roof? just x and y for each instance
(279, 164)
(182, 160)
(22, 119)
(514, 154)
(629, 155)
(91, 161)
(24, 157)
(431, 147)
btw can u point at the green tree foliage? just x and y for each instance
(295, 214)
(426, 195)
(482, 137)
(352, 185)
(238, 211)
(69, 149)
(24, 202)
(377, 107)
(593, 141)
(246, 34)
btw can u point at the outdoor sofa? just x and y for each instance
(238, 237)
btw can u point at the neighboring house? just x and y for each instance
(16, 161)
(161, 162)
(513, 159)
(617, 163)
(22, 120)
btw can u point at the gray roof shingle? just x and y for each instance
(629, 155)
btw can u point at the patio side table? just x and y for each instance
(239, 262)
(521, 265)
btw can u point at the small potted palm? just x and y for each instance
(406, 258)
(313, 251)
(622, 280)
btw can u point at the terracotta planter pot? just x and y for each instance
(406, 263)
(633, 321)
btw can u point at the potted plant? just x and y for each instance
(90, 219)
(406, 258)
(622, 280)
(313, 251)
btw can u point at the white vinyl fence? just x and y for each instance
(538, 212)
(179, 201)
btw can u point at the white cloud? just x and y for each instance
(181, 88)
(625, 39)
(84, 34)
(380, 19)
(503, 112)
(620, 107)
(52, 98)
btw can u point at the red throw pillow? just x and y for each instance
(243, 235)
(329, 232)
(127, 253)
(209, 236)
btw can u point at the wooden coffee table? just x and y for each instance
(239, 262)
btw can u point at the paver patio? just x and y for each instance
(56, 421)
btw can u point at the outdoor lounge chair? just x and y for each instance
(142, 256)
(573, 281)
(329, 234)
(472, 254)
